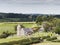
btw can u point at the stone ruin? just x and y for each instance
(23, 31)
(26, 31)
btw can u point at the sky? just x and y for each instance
(30, 6)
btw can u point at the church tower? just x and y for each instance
(18, 30)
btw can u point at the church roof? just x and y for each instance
(28, 29)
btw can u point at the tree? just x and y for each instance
(57, 29)
(47, 26)
(39, 19)
(50, 18)
(44, 18)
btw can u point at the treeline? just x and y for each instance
(19, 17)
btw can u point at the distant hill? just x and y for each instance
(16, 17)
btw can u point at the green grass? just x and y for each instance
(10, 26)
(14, 38)
(48, 43)
(27, 39)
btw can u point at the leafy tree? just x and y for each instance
(39, 19)
(47, 26)
(44, 18)
(57, 29)
(50, 18)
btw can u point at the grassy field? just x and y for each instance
(48, 43)
(26, 39)
(16, 40)
(10, 26)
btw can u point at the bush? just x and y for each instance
(34, 38)
(24, 41)
(5, 34)
(51, 38)
(55, 40)
(57, 30)
(31, 40)
(45, 37)
(35, 29)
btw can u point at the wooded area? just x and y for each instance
(19, 17)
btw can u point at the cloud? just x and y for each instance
(33, 2)
(29, 6)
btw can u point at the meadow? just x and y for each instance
(43, 38)
(10, 26)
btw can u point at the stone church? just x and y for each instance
(23, 31)
(27, 31)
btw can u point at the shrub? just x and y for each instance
(35, 29)
(57, 30)
(34, 38)
(45, 37)
(51, 38)
(31, 40)
(24, 41)
(55, 40)
(5, 34)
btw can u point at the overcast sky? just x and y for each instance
(30, 6)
